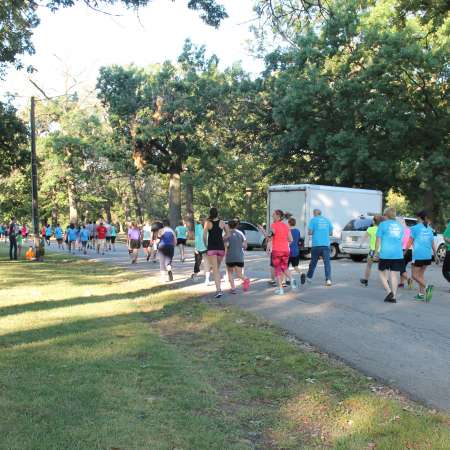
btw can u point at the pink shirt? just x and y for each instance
(406, 237)
(280, 241)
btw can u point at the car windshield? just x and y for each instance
(360, 224)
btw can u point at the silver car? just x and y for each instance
(255, 239)
(355, 241)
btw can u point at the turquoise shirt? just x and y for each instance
(391, 234)
(423, 242)
(113, 231)
(181, 231)
(199, 243)
(58, 233)
(321, 229)
(84, 234)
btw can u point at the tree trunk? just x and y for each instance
(429, 204)
(174, 199)
(73, 211)
(54, 217)
(136, 201)
(108, 212)
(126, 207)
(249, 204)
(190, 207)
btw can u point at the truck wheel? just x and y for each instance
(357, 258)
(334, 251)
(441, 252)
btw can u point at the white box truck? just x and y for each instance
(338, 204)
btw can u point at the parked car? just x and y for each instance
(355, 241)
(255, 239)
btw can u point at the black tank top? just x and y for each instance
(215, 239)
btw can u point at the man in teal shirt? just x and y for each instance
(446, 265)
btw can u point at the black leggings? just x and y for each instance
(446, 266)
(198, 261)
(12, 247)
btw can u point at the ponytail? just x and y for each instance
(424, 217)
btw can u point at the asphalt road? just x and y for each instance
(406, 344)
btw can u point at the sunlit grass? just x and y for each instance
(93, 357)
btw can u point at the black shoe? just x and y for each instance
(170, 275)
(218, 294)
(390, 298)
(148, 257)
(287, 283)
(302, 278)
(364, 282)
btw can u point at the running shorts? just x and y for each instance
(101, 242)
(395, 265)
(167, 250)
(113, 239)
(135, 244)
(181, 241)
(146, 243)
(280, 261)
(108, 238)
(219, 253)
(234, 264)
(421, 262)
(294, 261)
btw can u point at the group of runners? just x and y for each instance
(393, 245)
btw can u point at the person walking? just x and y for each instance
(320, 228)
(147, 239)
(84, 238)
(113, 237)
(59, 235)
(12, 235)
(236, 243)
(134, 241)
(372, 235)
(423, 248)
(446, 264)
(108, 236)
(280, 238)
(199, 250)
(166, 250)
(181, 232)
(48, 233)
(389, 249)
(407, 256)
(213, 239)
(71, 238)
(294, 252)
(101, 237)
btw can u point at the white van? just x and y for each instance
(336, 203)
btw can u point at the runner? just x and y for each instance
(181, 232)
(59, 236)
(44, 232)
(236, 243)
(423, 248)
(147, 239)
(166, 250)
(156, 226)
(294, 252)
(321, 229)
(446, 265)
(108, 236)
(134, 241)
(12, 232)
(372, 234)
(84, 238)
(281, 237)
(101, 237)
(24, 231)
(2, 231)
(78, 228)
(48, 233)
(389, 249)
(90, 228)
(407, 256)
(213, 239)
(71, 238)
(113, 237)
(200, 250)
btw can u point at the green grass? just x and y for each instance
(92, 357)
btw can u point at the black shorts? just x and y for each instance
(181, 241)
(146, 243)
(113, 239)
(108, 238)
(395, 265)
(294, 261)
(421, 262)
(84, 243)
(167, 250)
(59, 240)
(135, 244)
(234, 264)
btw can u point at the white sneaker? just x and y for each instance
(294, 283)
(308, 280)
(328, 283)
(279, 291)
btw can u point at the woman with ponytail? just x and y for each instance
(423, 248)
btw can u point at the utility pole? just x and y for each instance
(34, 174)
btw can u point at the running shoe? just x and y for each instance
(287, 283)
(279, 291)
(328, 283)
(233, 291)
(294, 284)
(272, 283)
(390, 298)
(246, 284)
(170, 275)
(148, 257)
(218, 294)
(419, 297)
(401, 285)
(410, 283)
(364, 282)
(302, 278)
(429, 293)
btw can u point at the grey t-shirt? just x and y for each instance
(235, 252)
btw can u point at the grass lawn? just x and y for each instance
(92, 357)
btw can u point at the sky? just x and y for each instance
(72, 44)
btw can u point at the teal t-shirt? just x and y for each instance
(147, 233)
(423, 242)
(321, 229)
(84, 234)
(58, 233)
(181, 231)
(391, 234)
(113, 231)
(199, 243)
